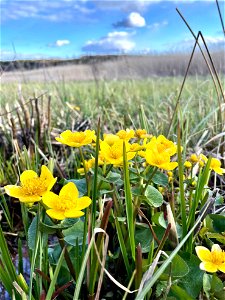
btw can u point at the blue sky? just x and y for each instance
(37, 29)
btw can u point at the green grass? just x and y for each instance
(129, 214)
(117, 103)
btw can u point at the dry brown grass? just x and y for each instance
(122, 67)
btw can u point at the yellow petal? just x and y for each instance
(219, 171)
(50, 199)
(51, 183)
(69, 190)
(222, 267)
(73, 213)
(56, 214)
(168, 166)
(30, 199)
(26, 175)
(83, 202)
(47, 176)
(203, 253)
(66, 134)
(13, 191)
(208, 267)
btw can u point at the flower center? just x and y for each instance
(34, 186)
(116, 152)
(78, 136)
(218, 257)
(65, 202)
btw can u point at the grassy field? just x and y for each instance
(117, 101)
(149, 197)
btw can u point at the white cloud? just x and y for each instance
(133, 20)
(46, 9)
(213, 43)
(114, 42)
(60, 43)
(157, 25)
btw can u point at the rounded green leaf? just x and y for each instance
(153, 196)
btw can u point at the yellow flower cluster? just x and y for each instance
(201, 159)
(157, 151)
(34, 188)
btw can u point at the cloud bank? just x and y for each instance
(113, 42)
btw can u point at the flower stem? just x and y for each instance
(67, 257)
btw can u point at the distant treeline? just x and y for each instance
(37, 64)
(127, 66)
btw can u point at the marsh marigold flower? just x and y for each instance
(114, 154)
(162, 145)
(211, 261)
(142, 134)
(76, 139)
(215, 165)
(201, 159)
(187, 164)
(126, 135)
(110, 138)
(32, 187)
(160, 160)
(67, 204)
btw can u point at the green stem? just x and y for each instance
(181, 184)
(150, 179)
(66, 254)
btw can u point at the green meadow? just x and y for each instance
(131, 215)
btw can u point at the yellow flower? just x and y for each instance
(194, 158)
(126, 135)
(32, 187)
(161, 189)
(88, 165)
(160, 160)
(162, 145)
(142, 154)
(66, 204)
(187, 164)
(136, 147)
(76, 139)
(110, 138)
(215, 165)
(142, 134)
(114, 154)
(201, 159)
(211, 261)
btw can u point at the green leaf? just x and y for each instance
(112, 177)
(207, 284)
(218, 222)
(161, 288)
(192, 287)
(219, 237)
(55, 276)
(73, 233)
(32, 233)
(153, 196)
(80, 184)
(179, 293)
(143, 236)
(158, 219)
(50, 227)
(216, 284)
(179, 267)
(160, 179)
